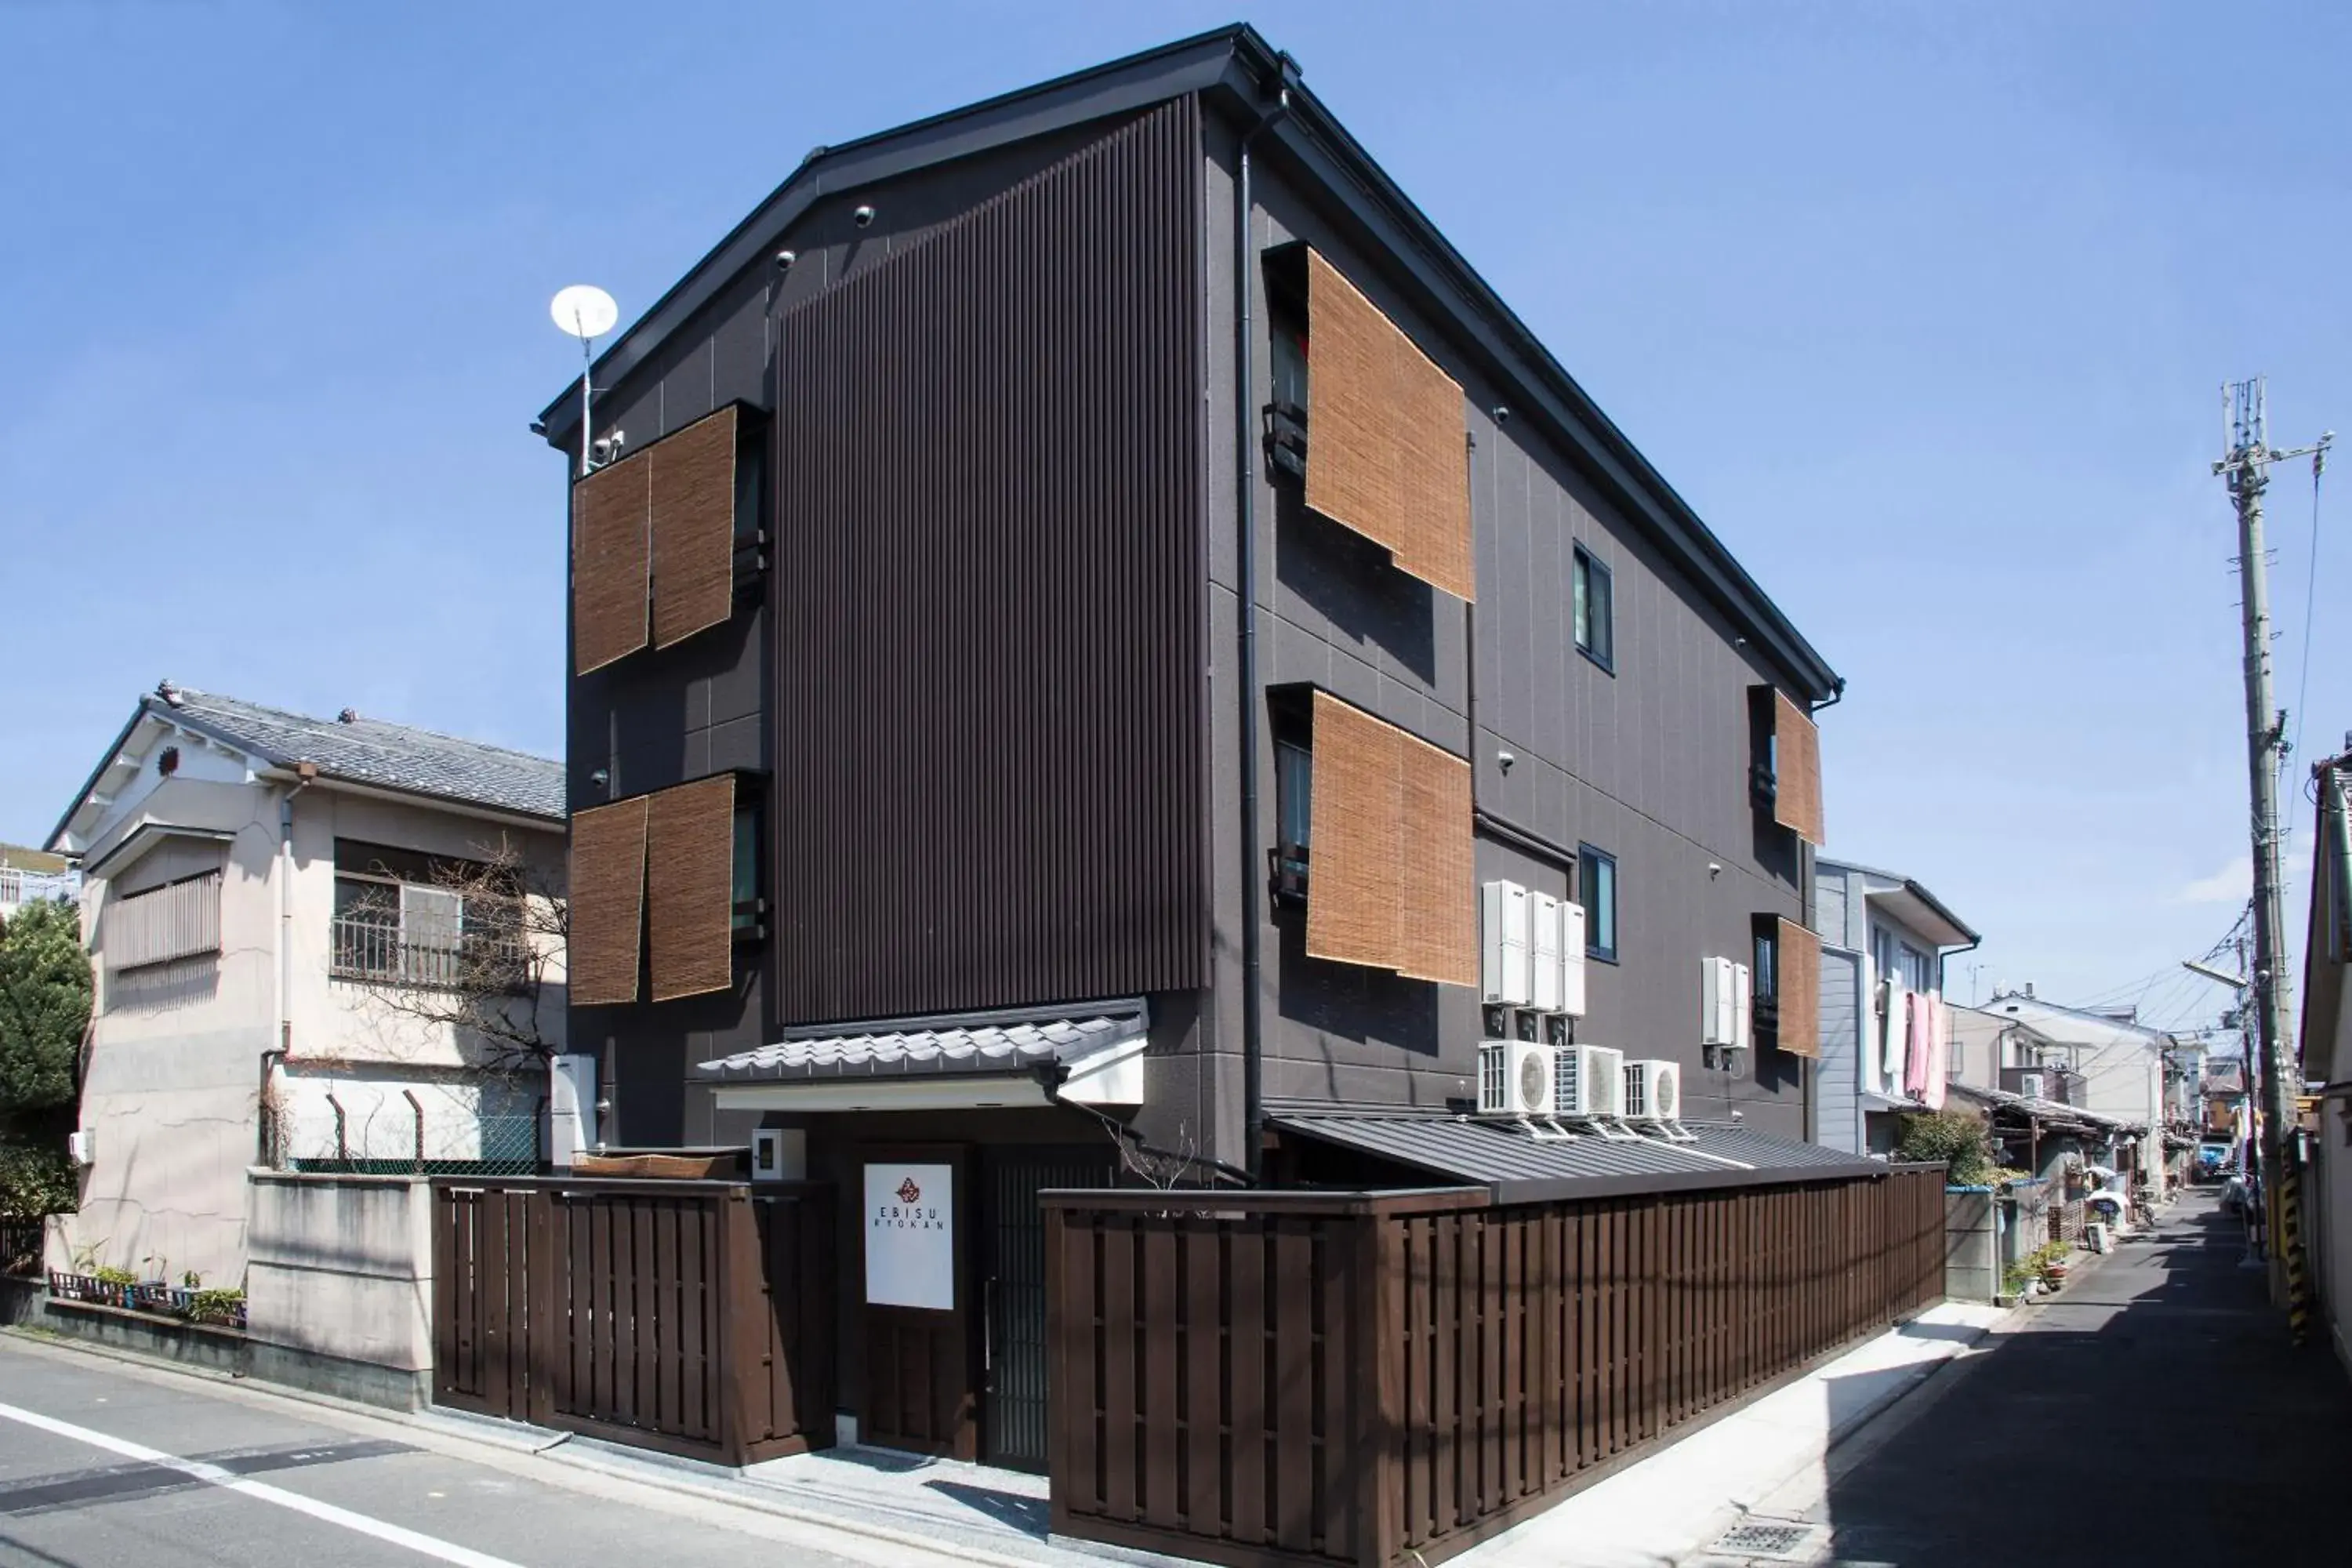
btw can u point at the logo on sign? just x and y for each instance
(908, 1192)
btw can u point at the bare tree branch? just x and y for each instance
(480, 960)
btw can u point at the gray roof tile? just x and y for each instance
(369, 751)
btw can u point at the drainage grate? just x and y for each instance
(1759, 1540)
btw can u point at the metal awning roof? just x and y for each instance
(1520, 1168)
(2051, 1113)
(973, 1043)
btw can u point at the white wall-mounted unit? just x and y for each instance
(1543, 952)
(571, 1107)
(1719, 1003)
(1503, 941)
(1515, 1078)
(1571, 959)
(779, 1154)
(1653, 1091)
(1589, 1081)
(2030, 1085)
(81, 1145)
(1743, 998)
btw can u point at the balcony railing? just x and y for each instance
(375, 950)
(19, 886)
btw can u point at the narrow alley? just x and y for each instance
(2153, 1413)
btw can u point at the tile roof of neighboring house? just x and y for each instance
(16, 858)
(356, 749)
(370, 751)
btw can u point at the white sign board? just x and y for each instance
(910, 1235)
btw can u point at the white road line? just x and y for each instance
(430, 1546)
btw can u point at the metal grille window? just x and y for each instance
(404, 919)
(179, 920)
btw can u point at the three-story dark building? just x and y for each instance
(1082, 593)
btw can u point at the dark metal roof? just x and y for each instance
(1237, 66)
(1520, 1168)
(985, 1043)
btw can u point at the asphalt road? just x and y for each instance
(2153, 1413)
(103, 1464)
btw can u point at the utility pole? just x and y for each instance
(2244, 469)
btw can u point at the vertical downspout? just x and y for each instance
(1246, 573)
(304, 772)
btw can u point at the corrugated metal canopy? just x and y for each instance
(1519, 1167)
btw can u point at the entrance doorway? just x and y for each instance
(1012, 1289)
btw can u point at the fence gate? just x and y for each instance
(691, 1317)
(1012, 1274)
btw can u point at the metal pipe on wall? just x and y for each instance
(1245, 584)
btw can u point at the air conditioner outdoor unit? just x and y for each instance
(2030, 1085)
(1543, 948)
(81, 1145)
(1503, 939)
(1571, 959)
(1653, 1091)
(1515, 1078)
(1589, 1083)
(1719, 1006)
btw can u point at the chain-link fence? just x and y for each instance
(324, 1133)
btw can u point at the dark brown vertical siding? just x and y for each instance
(990, 708)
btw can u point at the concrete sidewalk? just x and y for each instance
(1668, 1508)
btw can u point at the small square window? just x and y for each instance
(1595, 617)
(1596, 880)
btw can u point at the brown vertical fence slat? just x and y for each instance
(666, 1314)
(1376, 1379)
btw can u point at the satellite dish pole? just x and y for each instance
(587, 313)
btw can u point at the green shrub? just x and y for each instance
(36, 1180)
(217, 1307)
(1953, 1138)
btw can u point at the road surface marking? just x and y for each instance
(430, 1546)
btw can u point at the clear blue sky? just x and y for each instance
(1922, 305)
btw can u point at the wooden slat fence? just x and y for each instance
(1379, 1378)
(691, 1317)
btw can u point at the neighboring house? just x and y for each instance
(1886, 1043)
(31, 875)
(261, 892)
(950, 787)
(2326, 1037)
(2224, 1098)
(2117, 1066)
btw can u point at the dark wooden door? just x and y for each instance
(1012, 1284)
(922, 1388)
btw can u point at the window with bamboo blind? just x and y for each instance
(690, 888)
(654, 891)
(654, 543)
(1393, 883)
(605, 897)
(1798, 988)
(1787, 763)
(1387, 435)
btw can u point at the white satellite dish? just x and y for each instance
(585, 310)
(587, 313)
